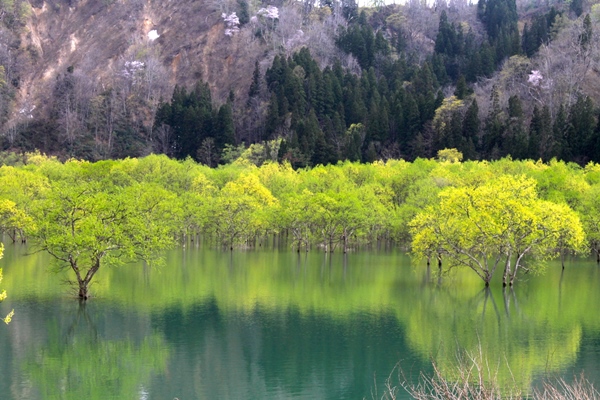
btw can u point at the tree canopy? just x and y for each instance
(91, 217)
(494, 224)
(3, 292)
(481, 215)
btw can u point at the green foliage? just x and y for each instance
(90, 218)
(3, 292)
(238, 212)
(498, 222)
(14, 13)
(450, 155)
(590, 211)
(13, 222)
(91, 215)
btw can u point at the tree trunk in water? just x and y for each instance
(513, 276)
(83, 290)
(85, 282)
(506, 271)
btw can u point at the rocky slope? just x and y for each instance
(101, 40)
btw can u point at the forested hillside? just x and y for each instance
(311, 83)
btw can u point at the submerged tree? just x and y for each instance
(239, 211)
(90, 219)
(590, 212)
(497, 223)
(3, 293)
(11, 219)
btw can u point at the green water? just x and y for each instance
(272, 324)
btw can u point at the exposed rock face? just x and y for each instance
(95, 38)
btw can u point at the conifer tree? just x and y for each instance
(470, 131)
(273, 119)
(224, 130)
(516, 140)
(424, 88)
(540, 130)
(243, 12)
(255, 85)
(453, 138)
(499, 18)
(382, 46)
(586, 34)
(461, 88)
(595, 143)
(558, 133)
(412, 119)
(577, 7)
(580, 128)
(494, 128)
(439, 66)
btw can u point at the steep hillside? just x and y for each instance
(306, 82)
(96, 38)
(82, 75)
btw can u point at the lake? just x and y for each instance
(274, 324)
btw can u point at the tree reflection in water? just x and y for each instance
(81, 361)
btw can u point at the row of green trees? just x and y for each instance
(87, 215)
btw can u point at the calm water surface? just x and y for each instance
(272, 324)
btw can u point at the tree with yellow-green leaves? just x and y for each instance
(590, 209)
(495, 224)
(10, 217)
(3, 293)
(90, 217)
(296, 215)
(13, 221)
(239, 211)
(482, 215)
